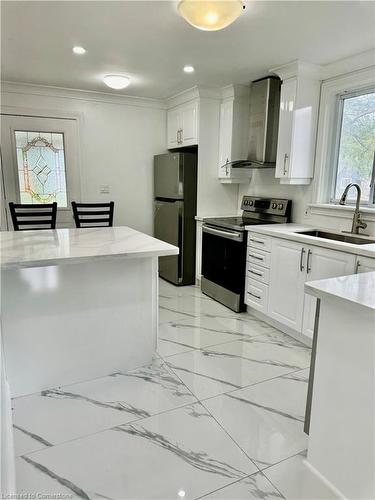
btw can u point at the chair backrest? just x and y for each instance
(93, 214)
(30, 216)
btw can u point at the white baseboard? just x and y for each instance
(285, 329)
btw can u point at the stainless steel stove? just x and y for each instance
(224, 248)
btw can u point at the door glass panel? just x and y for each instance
(41, 167)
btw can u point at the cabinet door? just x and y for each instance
(287, 277)
(365, 265)
(225, 137)
(322, 263)
(189, 124)
(173, 125)
(284, 141)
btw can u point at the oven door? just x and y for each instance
(224, 265)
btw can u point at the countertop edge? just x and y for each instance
(292, 233)
(315, 288)
(81, 260)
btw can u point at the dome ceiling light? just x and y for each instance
(116, 82)
(210, 15)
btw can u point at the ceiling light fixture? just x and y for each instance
(116, 82)
(79, 50)
(189, 69)
(210, 15)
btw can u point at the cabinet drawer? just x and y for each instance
(259, 241)
(256, 295)
(259, 257)
(258, 273)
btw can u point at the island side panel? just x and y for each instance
(341, 440)
(70, 323)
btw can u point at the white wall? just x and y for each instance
(118, 139)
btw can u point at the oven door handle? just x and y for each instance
(230, 235)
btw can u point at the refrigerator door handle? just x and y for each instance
(181, 244)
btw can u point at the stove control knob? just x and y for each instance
(251, 203)
(280, 206)
(274, 205)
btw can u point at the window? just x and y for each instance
(41, 167)
(355, 146)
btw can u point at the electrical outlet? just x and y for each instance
(104, 189)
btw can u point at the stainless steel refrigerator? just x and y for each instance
(175, 193)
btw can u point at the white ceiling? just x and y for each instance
(149, 42)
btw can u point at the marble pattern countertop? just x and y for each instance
(20, 249)
(357, 288)
(291, 232)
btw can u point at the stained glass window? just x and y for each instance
(41, 167)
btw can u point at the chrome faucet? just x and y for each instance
(358, 223)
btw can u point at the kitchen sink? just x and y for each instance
(346, 238)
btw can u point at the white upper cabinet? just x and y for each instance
(234, 133)
(182, 125)
(299, 105)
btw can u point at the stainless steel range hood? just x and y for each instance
(264, 122)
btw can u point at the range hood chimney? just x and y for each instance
(264, 122)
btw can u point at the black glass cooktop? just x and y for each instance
(237, 223)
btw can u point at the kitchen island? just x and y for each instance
(77, 304)
(342, 426)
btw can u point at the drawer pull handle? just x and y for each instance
(254, 272)
(257, 241)
(253, 295)
(255, 256)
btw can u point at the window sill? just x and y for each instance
(343, 211)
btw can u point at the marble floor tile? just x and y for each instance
(255, 487)
(69, 412)
(183, 450)
(265, 419)
(296, 481)
(193, 333)
(226, 367)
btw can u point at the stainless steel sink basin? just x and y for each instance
(346, 238)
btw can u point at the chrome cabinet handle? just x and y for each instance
(181, 136)
(253, 295)
(301, 266)
(357, 267)
(256, 256)
(254, 272)
(285, 159)
(308, 267)
(256, 241)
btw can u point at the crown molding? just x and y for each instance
(298, 69)
(82, 95)
(235, 91)
(196, 92)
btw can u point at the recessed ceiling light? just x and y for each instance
(189, 69)
(79, 50)
(116, 81)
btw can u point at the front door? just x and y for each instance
(39, 164)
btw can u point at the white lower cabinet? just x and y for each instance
(287, 279)
(290, 265)
(364, 264)
(322, 264)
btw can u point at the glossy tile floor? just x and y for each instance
(218, 414)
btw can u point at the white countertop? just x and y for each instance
(69, 246)
(356, 288)
(290, 232)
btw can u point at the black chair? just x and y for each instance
(40, 216)
(93, 214)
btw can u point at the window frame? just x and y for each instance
(334, 154)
